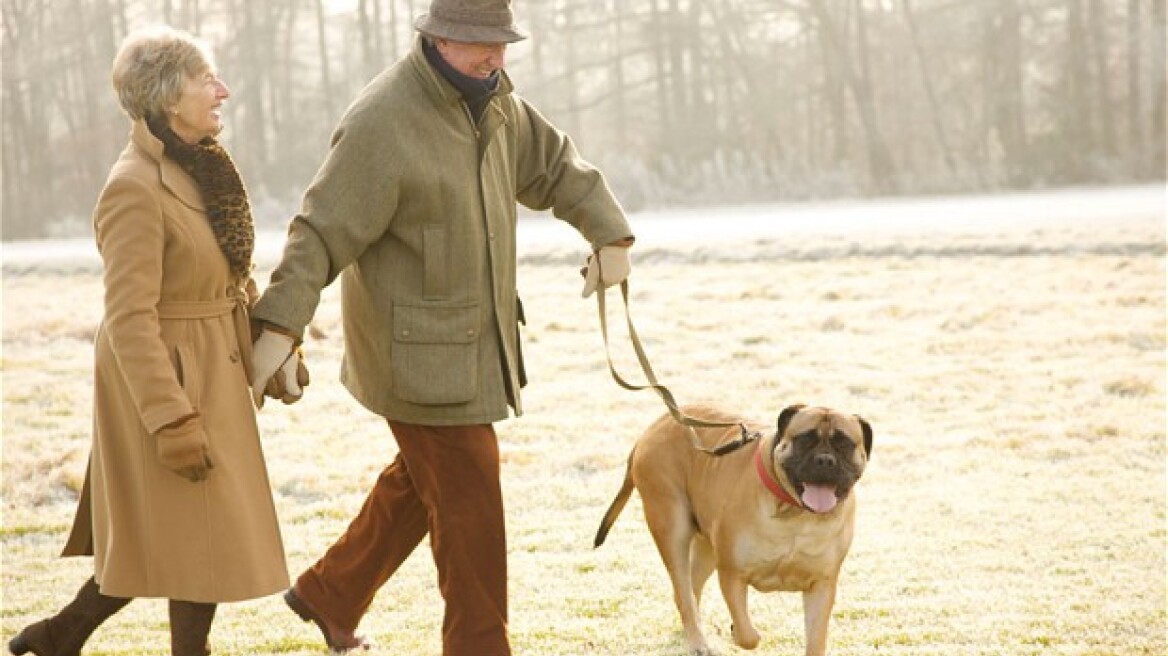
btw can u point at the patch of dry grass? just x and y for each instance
(1015, 503)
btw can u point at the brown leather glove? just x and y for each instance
(293, 371)
(270, 354)
(182, 448)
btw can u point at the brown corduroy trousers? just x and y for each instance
(445, 482)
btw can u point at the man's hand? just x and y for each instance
(288, 383)
(271, 353)
(607, 267)
(182, 448)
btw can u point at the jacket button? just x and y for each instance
(405, 333)
(234, 357)
(470, 332)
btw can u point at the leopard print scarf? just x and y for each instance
(228, 210)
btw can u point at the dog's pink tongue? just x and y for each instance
(819, 498)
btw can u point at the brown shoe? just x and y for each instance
(336, 641)
(34, 638)
(66, 632)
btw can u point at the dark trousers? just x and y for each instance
(445, 482)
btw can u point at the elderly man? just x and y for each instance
(415, 209)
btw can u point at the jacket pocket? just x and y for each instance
(435, 353)
(435, 268)
(188, 373)
(520, 319)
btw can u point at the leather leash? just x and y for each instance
(662, 391)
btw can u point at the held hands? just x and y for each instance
(607, 267)
(289, 382)
(279, 368)
(182, 448)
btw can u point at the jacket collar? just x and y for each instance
(173, 178)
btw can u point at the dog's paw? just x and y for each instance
(698, 647)
(746, 638)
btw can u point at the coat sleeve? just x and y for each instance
(131, 239)
(347, 207)
(552, 175)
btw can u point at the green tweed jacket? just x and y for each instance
(415, 209)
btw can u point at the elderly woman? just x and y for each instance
(176, 502)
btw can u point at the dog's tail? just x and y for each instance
(618, 504)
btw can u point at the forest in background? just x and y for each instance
(680, 102)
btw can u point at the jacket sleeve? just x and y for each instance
(347, 207)
(552, 175)
(131, 239)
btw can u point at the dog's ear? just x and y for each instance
(867, 430)
(785, 417)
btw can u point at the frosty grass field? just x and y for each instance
(1009, 353)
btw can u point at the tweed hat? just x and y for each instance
(471, 21)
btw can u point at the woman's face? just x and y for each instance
(197, 114)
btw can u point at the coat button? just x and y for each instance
(470, 332)
(234, 357)
(406, 333)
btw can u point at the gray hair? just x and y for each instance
(152, 65)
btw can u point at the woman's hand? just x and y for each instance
(182, 448)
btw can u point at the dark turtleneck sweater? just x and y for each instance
(475, 92)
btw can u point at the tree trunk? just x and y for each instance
(881, 169)
(665, 110)
(620, 101)
(1136, 144)
(838, 129)
(322, 46)
(366, 31)
(1003, 89)
(1078, 125)
(1156, 91)
(27, 208)
(1100, 45)
(935, 110)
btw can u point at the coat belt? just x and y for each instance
(236, 307)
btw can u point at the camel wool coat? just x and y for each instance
(415, 209)
(173, 340)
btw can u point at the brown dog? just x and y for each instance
(775, 515)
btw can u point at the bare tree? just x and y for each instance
(322, 42)
(697, 100)
(1157, 92)
(27, 154)
(1098, 21)
(936, 115)
(881, 169)
(1135, 122)
(1003, 88)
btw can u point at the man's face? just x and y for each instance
(477, 60)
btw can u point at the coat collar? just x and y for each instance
(173, 178)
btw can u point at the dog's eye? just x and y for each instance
(841, 442)
(806, 440)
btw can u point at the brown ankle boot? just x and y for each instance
(66, 632)
(190, 622)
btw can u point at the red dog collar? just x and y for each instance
(770, 482)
